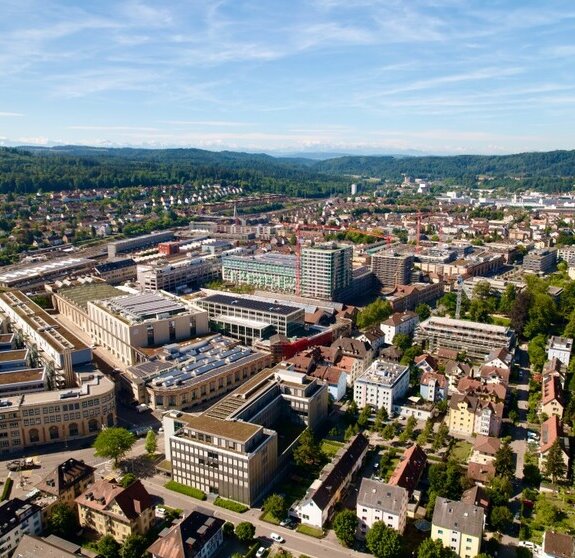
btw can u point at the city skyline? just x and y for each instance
(435, 76)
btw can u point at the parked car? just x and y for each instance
(24, 464)
(277, 538)
(285, 522)
(261, 552)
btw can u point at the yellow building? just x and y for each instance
(459, 526)
(110, 509)
(475, 412)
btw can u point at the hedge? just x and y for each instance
(7, 489)
(252, 551)
(231, 505)
(311, 531)
(187, 490)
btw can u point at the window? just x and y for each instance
(73, 429)
(34, 435)
(93, 425)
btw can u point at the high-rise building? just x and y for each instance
(326, 270)
(391, 269)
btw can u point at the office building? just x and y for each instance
(459, 526)
(233, 448)
(117, 271)
(326, 271)
(560, 348)
(268, 272)
(383, 384)
(540, 261)
(391, 269)
(475, 339)
(567, 254)
(126, 323)
(110, 509)
(17, 518)
(249, 319)
(179, 275)
(138, 243)
(379, 501)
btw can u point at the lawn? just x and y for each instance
(330, 447)
(552, 510)
(461, 451)
(311, 531)
(269, 518)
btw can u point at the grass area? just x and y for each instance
(186, 490)
(330, 447)
(269, 518)
(461, 451)
(231, 505)
(552, 511)
(293, 488)
(311, 531)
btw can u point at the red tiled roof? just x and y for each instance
(409, 469)
(481, 472)
(486, 444)
(430, 376)
(550, 431)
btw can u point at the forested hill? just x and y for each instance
(548, 164)
(58, 168)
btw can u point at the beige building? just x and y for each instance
(124, 324)
(459, 526)
(473, 413)
(109, 509)
(379, 501)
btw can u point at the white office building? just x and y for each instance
(381, 385)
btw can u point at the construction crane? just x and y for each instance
(459, 295)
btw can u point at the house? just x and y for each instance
(551, 432)
(482, 473)
(555, 367)
(557, 545)
(335, 378)
(494, 375)
(378, 501)
(67, 481)
(459, 526)
(374, 337)
(360, 351)
(408, 471)
(552, 398)
(433, 387)
(399, 322)
(455, 371)
(109, 509)
(494, 390)
(199, 535)
(474, 413)
(17, 518)
(477, 496)
(499, 358)
(50, 547)
(426, 363)
(317, 505)
(560, 348)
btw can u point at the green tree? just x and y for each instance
(307, 453)
(245, 531)
(62, 521)
(133, 547)
(537, 352)
(128, 479)
(410, 354)
(388, 432)
(108, 547)
(434, 549)
(402, 341)
(115, 443)
(345, 525)
(363, 418)
(531, 474)
(151, 442)
(383, 542)
(507, 299)
(519, 313)
(374, 313)
(500, 490)
(442, 435)
(505, 461)
(275, 505)
(554, 463)
(542, 313)
(423, 311)
(501, 518)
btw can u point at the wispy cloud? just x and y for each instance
(10, 114)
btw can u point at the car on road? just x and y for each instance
(23, 464)
(261, 552)
(277, 538)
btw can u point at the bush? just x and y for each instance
(231, 505)
(245, 532)
(186, 490)
(6, 491)
(252, 551)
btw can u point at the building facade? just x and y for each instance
(399, 322)
(268, 272)
(17, 518)
(381, 385)
(326, 271)
(175, 276)
(392, 269)
(560, 348)
(378, 501)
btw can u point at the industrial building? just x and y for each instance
(391, 269)
(138, 243)
(326, 271)
(125, 323)
(475, 339)
(117, 271)
(269, 272)
(33, 275)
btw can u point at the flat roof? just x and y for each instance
(82, 294)
(233, 430)
(464, 324)
(250, 304)
(37, 270)
(22, 376)
(143, 306)
(235, 320)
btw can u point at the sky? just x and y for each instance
(341, 76)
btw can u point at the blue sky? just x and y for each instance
(373, 76)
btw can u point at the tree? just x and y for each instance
(374, 313)
(383, 542)
(114, 442)
(423, 311)
(410, 354)
(108, 547)
(531, 474)
(434, 549)
(151, 442)
(507, 299)
(505, 461)
(441, 438)
(402, 341)
(228, 529)
(363, 418)
(134, 546)
(501, 518)
(128, 479)
(520, 311)
(554, 463)
(307, 453)
(500, 490)
(345, 525)
(388, 432)
(537, 352)
(275, 505)
(245, 531)
(542, 313)
(62, 521)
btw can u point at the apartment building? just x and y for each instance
(123, 324)
(567, 254)
(399, 322)
(67, 481)
(433, 386)
(138, 243)
(326, 271)
(475, 339)
(475, 413)
(379, 501)
(232, 449)
(459, 526)
(560, 348)
(17, 519)
(178, 275)
(249, 319)
(540, 261)
(269, 272)
(408, 297)
(117, 271)
(381, 385)
(109, 509)
(391, 269)
(552, 397)
(551, 433)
